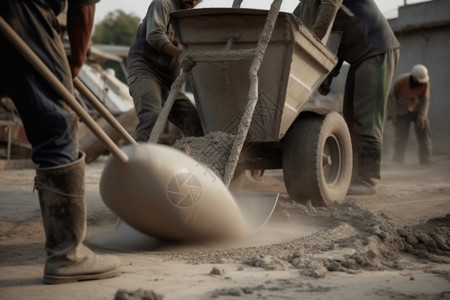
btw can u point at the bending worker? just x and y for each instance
(51, 128)
(409, 101)
(372, 50)
(153, 67)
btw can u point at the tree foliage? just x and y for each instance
(118, 28)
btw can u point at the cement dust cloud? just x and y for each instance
(281, 228)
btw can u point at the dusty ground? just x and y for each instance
(394, 245)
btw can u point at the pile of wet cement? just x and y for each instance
(355, 239)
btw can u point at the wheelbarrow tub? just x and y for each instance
(294, 65)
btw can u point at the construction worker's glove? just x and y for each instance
(420, 124)
(185, 61)
(324, 88)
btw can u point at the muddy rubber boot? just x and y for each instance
(368, 174)
(63, 208)
(360, 187)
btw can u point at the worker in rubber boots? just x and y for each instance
(409, 101)
(51, 129)
(153, 67)
(369, 45)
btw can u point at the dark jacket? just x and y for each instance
(365, 31)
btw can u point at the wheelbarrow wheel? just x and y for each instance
(317, 159)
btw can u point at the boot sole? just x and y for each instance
(58, 279)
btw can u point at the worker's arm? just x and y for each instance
(171, 50)
(157, 34)
(325, 16)
(424, 107)
(80, 21)
(158, 19)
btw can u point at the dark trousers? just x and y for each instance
(402, 125)
(50, 126)
(149, 95)
(366, 89)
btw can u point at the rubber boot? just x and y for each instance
(368, 173)
(63, 208)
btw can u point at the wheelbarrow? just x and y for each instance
(267, 116)
(154, 188)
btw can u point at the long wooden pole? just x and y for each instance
(98, 106)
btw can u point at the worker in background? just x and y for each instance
(372, 50)
(409, 101)
(51, 128)
(153, 67)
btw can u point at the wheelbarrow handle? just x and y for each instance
(68, 97)
(164, 115)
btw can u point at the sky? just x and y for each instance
(139, 7)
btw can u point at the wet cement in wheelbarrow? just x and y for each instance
(212, 150)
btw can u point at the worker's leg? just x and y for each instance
(425, 144)
(148, 97)
(401, 136)
(362, 113)
(185, 116)
(51, 130)
(63, 208)
(371, 83)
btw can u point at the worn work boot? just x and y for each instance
(367, 173)
(63, 208)
(361, 187)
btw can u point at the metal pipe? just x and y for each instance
(41, 68)
(245, 122)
